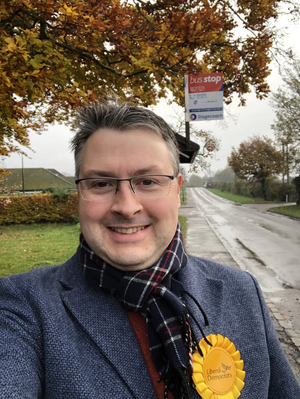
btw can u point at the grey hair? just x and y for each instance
(110, 114)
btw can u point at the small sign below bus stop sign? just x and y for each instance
(203, 97)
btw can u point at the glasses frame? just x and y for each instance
(129, 179)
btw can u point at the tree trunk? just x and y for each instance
(263, 189)
(296, 181)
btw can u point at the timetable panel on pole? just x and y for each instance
(203, 97)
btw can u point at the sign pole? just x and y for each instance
(187, 123)
(187, 135)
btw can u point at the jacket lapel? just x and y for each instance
(108, 325)
(209, 292)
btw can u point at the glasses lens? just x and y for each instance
(97, 190)
(151, 186)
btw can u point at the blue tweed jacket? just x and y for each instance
(61, 338)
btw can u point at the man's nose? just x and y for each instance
(125, 201)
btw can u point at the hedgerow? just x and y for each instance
(275, 190)
(37, 208)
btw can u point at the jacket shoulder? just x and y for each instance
(215, 270)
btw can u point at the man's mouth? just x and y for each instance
(131, 230)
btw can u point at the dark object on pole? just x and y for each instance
(187, 149)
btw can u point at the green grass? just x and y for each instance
(182, 221)
(290, 210)
(239, 198)
(25, 247)
(183, 195)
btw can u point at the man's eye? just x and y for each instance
(147, 182)
(100, 184)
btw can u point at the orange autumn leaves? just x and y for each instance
(56, 55)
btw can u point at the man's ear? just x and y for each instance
(180, 179)
(179, 183)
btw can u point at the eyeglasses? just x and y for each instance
(99, 189)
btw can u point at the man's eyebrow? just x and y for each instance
(98, 173)
(152, 169)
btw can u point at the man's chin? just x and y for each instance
(132, 262)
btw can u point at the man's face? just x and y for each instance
(111, 153)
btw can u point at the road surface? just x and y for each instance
(264, 243)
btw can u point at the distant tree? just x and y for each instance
(58, 55)
(286, 105)
(224, 176)
(196, 181)
(256, 159)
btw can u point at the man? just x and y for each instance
(131, 315)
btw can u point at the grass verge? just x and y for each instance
(290, 210)
(239, 198)
(183, 197)
(25, 247)
(183, 224)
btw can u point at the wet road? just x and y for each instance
(265, 244)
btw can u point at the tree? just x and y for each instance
(256, 159)
(58, 55)
(224, 176)
(287, 124)
(209, 146)
(296, 181)
(197, 181)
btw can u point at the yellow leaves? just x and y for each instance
(15, 44)
(11, 44)
(5, 79)
(150, 51)
(69, 11)
(36, 62)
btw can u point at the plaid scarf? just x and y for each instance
(157, 295)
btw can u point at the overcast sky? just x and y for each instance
(52, 147)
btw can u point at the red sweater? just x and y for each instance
(138, 323)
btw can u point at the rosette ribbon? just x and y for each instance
(218, 374)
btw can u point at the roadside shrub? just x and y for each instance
(296, 183)
(275, 190)
(37, 208)
(59, 193)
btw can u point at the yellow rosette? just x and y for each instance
(219, 373)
